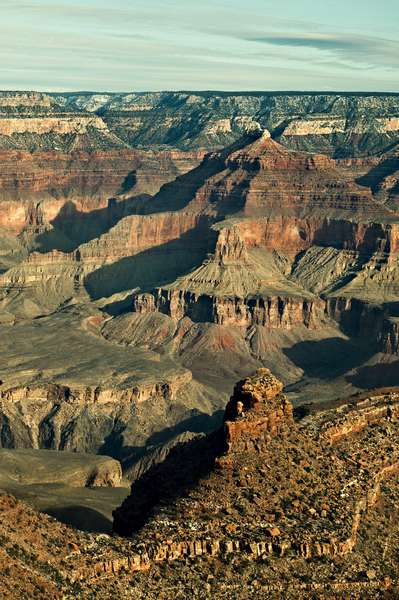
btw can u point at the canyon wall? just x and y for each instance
(64, 188)
(341, 124)
(86, 419)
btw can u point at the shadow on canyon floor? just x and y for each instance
(198, 423)
(374, 177)
(81, 517)
(376, 376)
(330, 358)
(86, 508)
(119, 307)
(154, 267)
(393, 308)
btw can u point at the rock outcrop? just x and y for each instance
(281, 487)
(275, 312)
(261, 396)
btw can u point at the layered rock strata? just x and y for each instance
(81, 419)
(282, 202)
(290, 254)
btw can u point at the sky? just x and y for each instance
(232, 45)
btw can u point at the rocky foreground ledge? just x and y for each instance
(281, 487)
(296, 501)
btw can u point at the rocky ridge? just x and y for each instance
(337, 124)
(343, 455)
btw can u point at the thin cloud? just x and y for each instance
(319, 41)
(359, 49)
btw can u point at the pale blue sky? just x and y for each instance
(124, 45)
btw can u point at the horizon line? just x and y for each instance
(206, 91)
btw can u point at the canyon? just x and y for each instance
(156, 248)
